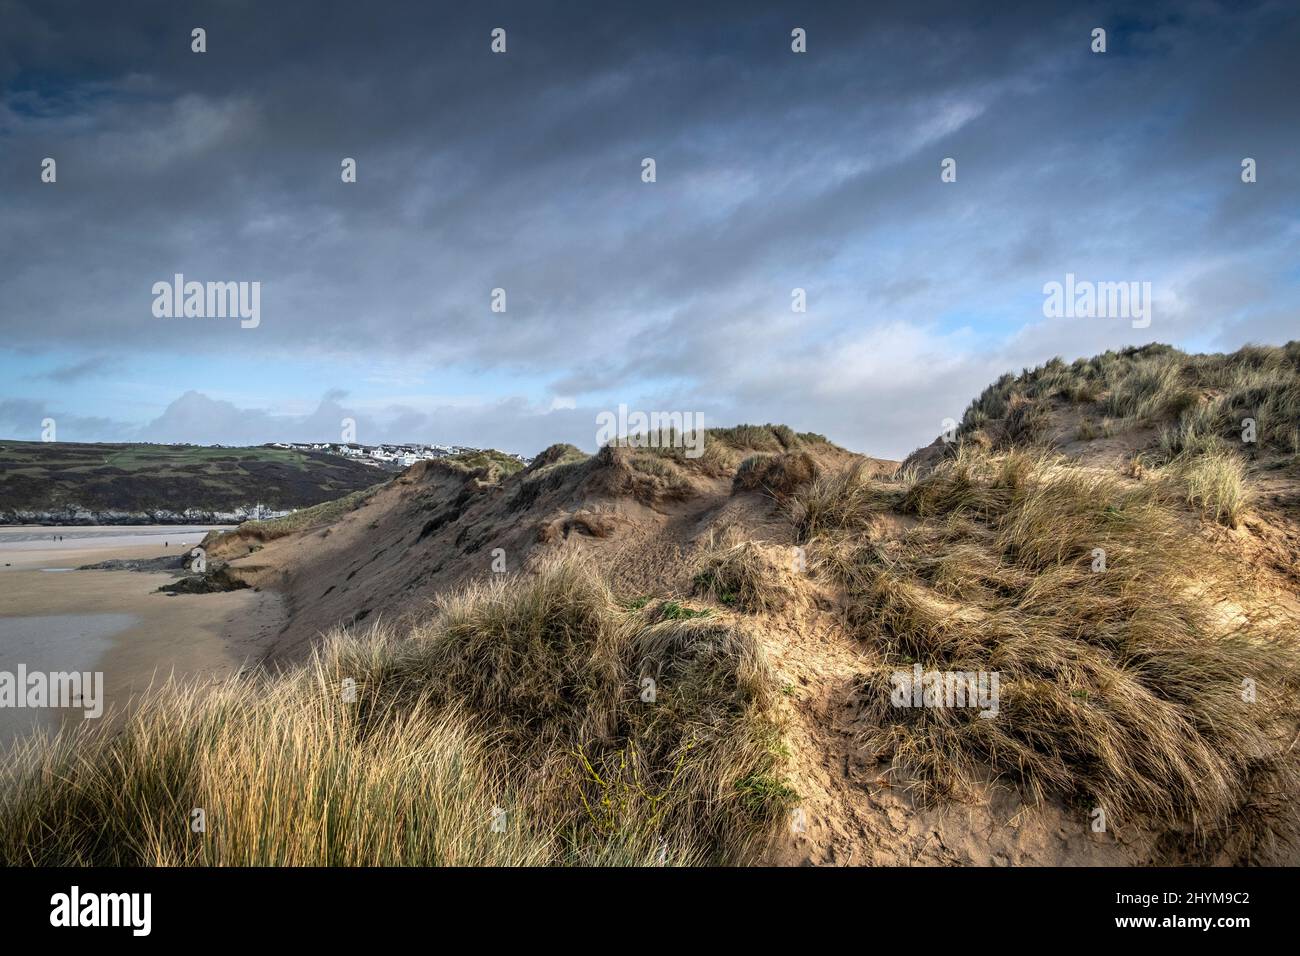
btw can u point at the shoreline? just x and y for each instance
(118, 623)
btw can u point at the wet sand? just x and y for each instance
(116, 621)
(25, 548)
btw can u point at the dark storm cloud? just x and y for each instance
(522, 171)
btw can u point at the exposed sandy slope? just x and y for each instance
(438, 526)
(855, 811)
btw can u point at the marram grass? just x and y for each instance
(511, 729)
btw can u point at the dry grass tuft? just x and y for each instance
(777, 476)
(1214, 483)
(741, 574)
(842, 499)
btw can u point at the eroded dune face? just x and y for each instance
(637, 511)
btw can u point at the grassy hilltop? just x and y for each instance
(137, 478)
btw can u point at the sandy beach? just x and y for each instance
(56, 618)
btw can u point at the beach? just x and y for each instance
(55, 618)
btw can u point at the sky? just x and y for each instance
(523, 171)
